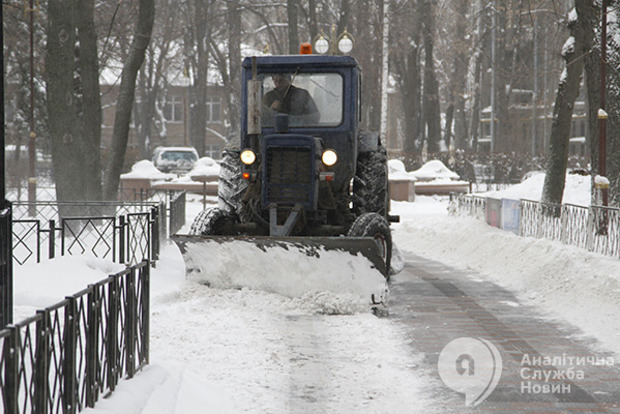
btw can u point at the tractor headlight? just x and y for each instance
(329, 157)
(248, 157)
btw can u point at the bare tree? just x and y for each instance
(120, 135)
(197, 36)
(406, 65)
(90, 119)
(61, 99)
(576, 47)
(613, 108)
(455, 107)
(430, 97)
(234, 64)
(293, 26)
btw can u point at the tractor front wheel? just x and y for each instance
(376, 226)
(214, 222)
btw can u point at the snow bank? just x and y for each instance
(37, 286)
(335, 282)
(563, 282)
(433, 170)
(576, 189)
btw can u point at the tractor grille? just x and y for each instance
(289, 175)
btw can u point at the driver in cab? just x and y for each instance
(288, 99)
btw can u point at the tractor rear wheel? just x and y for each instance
(376, 226)
(231, 185)
(370, 184)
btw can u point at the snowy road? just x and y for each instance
(269, 353)
(249, 351)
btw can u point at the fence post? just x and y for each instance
(564, 212)
(41, 373)
(69, 361)
(112, 336)
(591, 230)
(6, 265)
(52, 241)
(130, 321)
(154, 232)
(62, 236)
(11, 378)
(539, 220)
(145, 309)
(92, 345)
(121, 239)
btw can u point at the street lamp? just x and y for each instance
(334, 44)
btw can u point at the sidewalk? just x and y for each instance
(438, 304)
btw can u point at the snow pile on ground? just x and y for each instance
(37, 286)
(576, 189)
(434, 170)
(146, 169)
(397, 171)
(335, 282)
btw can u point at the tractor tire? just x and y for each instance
(370, 184)
(231, 185)
(214, 222)
(376, 226)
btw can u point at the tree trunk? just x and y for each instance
(343, 19)
(431, 89)
(447, 133)
(578, 45)
(312, 20)
(59, 70)
(293, 29)
(234, 64)
(613, 109)
(459, 76)
(200, 66)
(120, 134)
(91, 99)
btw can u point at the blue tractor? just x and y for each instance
(302, 169)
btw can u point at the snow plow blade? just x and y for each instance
(191, 246)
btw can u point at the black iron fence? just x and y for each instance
(6, 264)
(594, 228)
(123, 232)
(174, 200)
(173, 212)
(67, 355)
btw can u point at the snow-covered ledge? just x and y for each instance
(401, 183)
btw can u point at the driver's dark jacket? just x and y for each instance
(296, 102)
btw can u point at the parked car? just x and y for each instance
(175, 160)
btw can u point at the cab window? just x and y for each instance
(310, 99)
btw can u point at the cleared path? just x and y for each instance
(438, 304)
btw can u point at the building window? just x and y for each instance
(214, 109)
(213, 151)
(173, 110)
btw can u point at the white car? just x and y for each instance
(175, 160)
